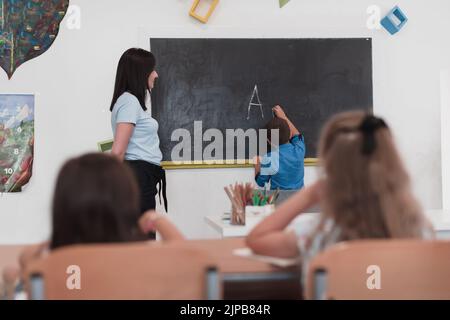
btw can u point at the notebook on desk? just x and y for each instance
(279, 262)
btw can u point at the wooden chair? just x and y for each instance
(408, 269)
(125, 271)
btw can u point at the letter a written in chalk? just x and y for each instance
(255, 102)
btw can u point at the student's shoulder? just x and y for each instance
(298, 138)
(298, 143)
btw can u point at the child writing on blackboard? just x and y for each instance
(283, 166)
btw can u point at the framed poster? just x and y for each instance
(16, 141)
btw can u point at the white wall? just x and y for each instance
(445, 134)
(73, 82)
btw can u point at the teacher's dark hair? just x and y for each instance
(135, 66)
(96, 200)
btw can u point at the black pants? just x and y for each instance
(152, 181)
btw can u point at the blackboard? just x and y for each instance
(212, 80)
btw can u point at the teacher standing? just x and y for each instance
(136, 138)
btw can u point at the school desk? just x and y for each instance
(245, 278)
(224, 228)
(439, 218)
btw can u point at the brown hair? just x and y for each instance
(283, 127)
(95, 201)
(367, 189)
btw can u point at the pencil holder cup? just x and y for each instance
(237, 216)
(259, 211)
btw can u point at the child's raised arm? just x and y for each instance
(279, 113)
(154, 221)
(269, 236)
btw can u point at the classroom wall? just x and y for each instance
(73, 82)
(445, 134)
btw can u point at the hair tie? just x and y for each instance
(368, 127)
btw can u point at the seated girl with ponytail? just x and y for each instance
(364, 192)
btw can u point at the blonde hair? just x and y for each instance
(366, 194)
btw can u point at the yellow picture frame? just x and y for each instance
(203, 19)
